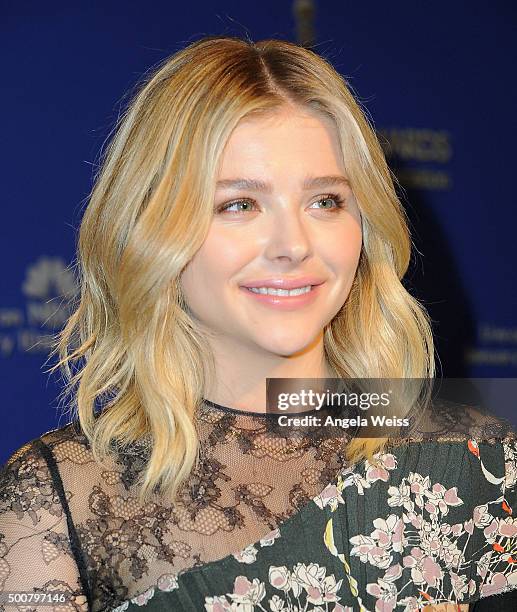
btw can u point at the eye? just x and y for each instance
(226, 207)
(338, 200)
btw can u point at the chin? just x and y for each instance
(287, 346)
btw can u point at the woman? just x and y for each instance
(241, 166)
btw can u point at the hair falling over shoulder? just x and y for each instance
(135, 347)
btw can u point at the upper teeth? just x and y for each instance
(271, 291)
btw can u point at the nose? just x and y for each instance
(289, 237)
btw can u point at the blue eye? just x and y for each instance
(339, 204)
(337, 199)
(231, 204)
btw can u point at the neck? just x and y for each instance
(241, 373)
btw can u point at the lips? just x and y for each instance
(284, 283)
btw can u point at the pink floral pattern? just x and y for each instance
(418, 549)
(434, 546)
(304, 587)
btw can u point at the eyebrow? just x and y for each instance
(309, 182)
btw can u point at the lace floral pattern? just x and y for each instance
(238, 493)
(285, 521)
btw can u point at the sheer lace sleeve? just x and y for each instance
(37, 556)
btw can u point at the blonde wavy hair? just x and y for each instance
(137, 350)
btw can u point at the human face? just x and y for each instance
(287, 231)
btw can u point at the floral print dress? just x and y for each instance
(268, 525)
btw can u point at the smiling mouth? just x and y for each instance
(284, 299)
(280, 292)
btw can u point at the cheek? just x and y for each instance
(343, 251)
(213, 265)
(228, 253)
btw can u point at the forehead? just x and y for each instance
(286, 136)
(285, 118)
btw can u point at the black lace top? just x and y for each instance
(68, 526)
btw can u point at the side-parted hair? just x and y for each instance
(137, 350)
